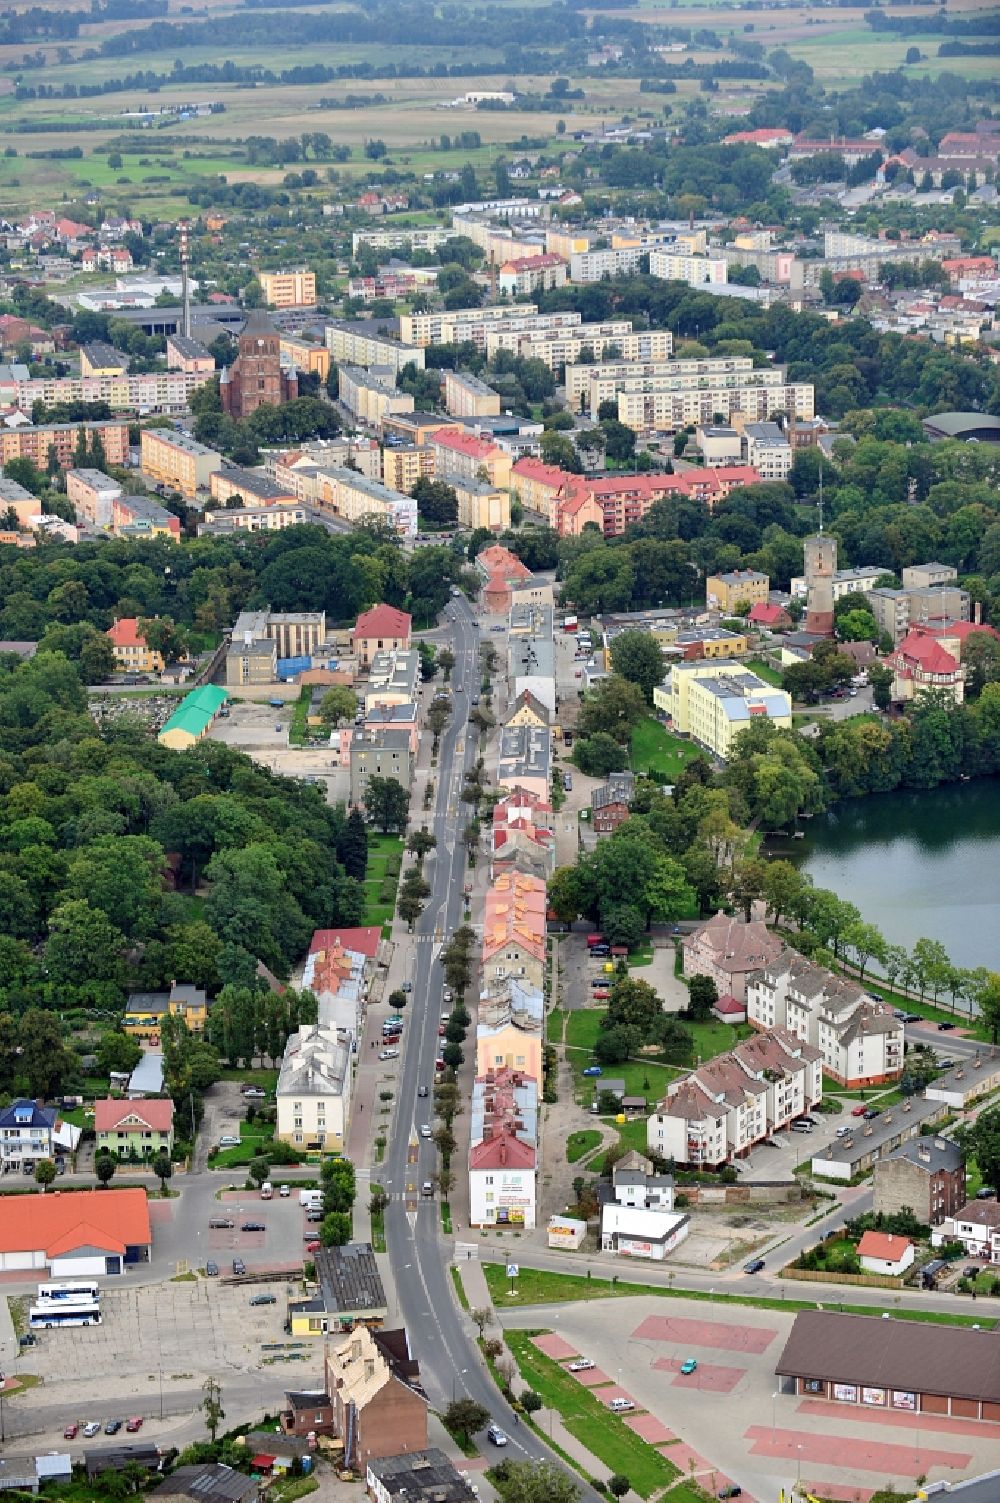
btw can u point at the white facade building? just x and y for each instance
(314, 1089)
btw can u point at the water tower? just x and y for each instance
(820, 567)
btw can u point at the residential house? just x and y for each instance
(92, 494)
(866, 1143)
(527, 274)
(503, 1150)
(727, 1105)
(457, 452)
(724, 592)
(881, 1253)
(525, 759)
(514, 933)
(860, 1039)
(132, 652)
(383, 628)
(920, 663)
(207, 1482)
(499, 569)
(85, 1235)
(634, 1185)
(420, 1477)
(379, 1407)
(509, 1030)
(314, 1089)
(523, 835)
(527, 709)
(27, 1135)
(379, 753)
(925, 1175)
(770, 617)
(289, 289)
(134, 1129)
(338, 971)
(393, 678)
(140, 517)
(145, 1011)
(350, 1293)
(976, 1224)
(729, 950)
(610, 804)
(767, 449)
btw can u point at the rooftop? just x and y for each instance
(421, 1477)
(59, 1224)
(350, 1280)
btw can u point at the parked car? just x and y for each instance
(313, 1246)
(407, 986)
(112, 1427)
(582, 1365)
(971, 1272)
(857, 1111)
(592, 1070)
(211, 1270)
(689, 1366)
(71, 1431)
(284, 1191)
(92, 1427)
(134, 1424)
(567, 782)
(28, 1339)
(986, 1193)
(263, 1299)
(870, 1114)
(253, 1093)
(496, 1436)
(221, 1223)
(732, 1491)
(315, 1213)
(253, 1226)
(602, 994)
(945, 1027)
(754, 1266)
(228, 1140)
(620, 1406)
(946, 1064)
(239, 1267)
(388, 1054)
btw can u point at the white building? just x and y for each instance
(860, 1040)
(977, 1226)
(314, 1089)
(697, 271)
(768, 450)
(880, 1252)
(633, 1232)
(845, 582)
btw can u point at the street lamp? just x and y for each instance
(774, 1397)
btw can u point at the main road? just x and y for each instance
(451, 1364)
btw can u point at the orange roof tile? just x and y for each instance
(55, 1223)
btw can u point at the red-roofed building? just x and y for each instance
(382, 629)
(922, 662)
(134, 1129)
(132, 652)
(948, 632)
(523, 835)
(576, 508)
(502, 1172)
(499, 569)
(459, 453)
(88, 1234)
(768, 138)
(365, 940)
(729, 1009)
(528, 274)
(537, 484)
(773, 617)
(962, 267)
(881, 1253)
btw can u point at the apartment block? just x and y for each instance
(251, 486)
(365, 342)
(177, 460)
(768, 450)
(288, 289)
(926, 1175)
(235, 520)
(467, 396)
(721, 1110)
(724, 592)
(713, 701)
(524, 275)
(132, 652)
(393, 673)
(587, 386)
(92, 493)
(457, 325)
(602, 265)
(36, 441)
(153, 391)
(393, 240)
(305, 355)
(460, 453)
(659, 405)
(859, 581)
(859, 1039)
(897, 610)
(503, 1149)
(404, 464)
(480, 503)
(189, 356)
(371, 395)
(379, 753)
(347, 494)
(140, 516)
(514, 931)
(696, 271)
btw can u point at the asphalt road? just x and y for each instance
(450, 1362)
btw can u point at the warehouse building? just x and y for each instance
(193, 717)
(85, 1235)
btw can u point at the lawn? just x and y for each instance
(654, 749)
(254, 1138)
(586, 1418)
(765, 671)
(385, 858)
(578, 1144)
(535, 1286)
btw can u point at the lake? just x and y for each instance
(917, 865)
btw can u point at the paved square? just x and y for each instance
(649, 1428)
(706, 1378)
(856, 1453)
(900, 1420)
(592, 1378)
(753, 1339)
(554, 1346)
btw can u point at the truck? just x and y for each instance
(312, 1200)
(266, 1190)
(594, 939)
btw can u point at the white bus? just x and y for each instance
(87, 1289)
(52, 1313)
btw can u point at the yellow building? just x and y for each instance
(508, 1047)
(309, 357)
(177, 460)
(724, 592)
(467, 396)
(566, 243)
(404, 465)
(193, 718)
(132, 651)
(145, 1011)
(372, 395)
(100, 359)
(480, 504)
(713, 701)
(288, 289)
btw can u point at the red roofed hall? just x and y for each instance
(922, 662)
(380, 629)
(364, 940)
(86, 1234)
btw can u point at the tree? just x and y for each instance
(558, 450)
(615, 707)
(931, 966)
(782, 888)
(338, 703)
(867, 944)
(259, 1169)
(45, 1061)
(703, 994)
(531, 1401)
(638, 657)
(118, 1053)
(45, 1173)
(437, 502)
(481, 1317)
(105, 1165)
(387, 803)
(212, 1406)
(536, 1482)
(463, 1417)
(163, 1169)
(352, 846)
(618, 1484)
(986, 994)
(880, 679)
(598, 755)
(336, 1229)
(982, 1141)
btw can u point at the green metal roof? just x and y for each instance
(196, 710)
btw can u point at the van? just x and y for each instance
(266, 1190)
(221, 1223)
(311, 1199)
(801, 1127)
(620, 1406)
(228, 1141)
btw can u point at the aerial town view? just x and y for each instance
(500, 751)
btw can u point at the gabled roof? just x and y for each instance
(463, 443)
(55, 1224)
(366, 940)
(125, 633)
(502, 1152)
(920, 649)
(128, 1116)
(883, 1246)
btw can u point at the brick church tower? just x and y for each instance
(256, 378)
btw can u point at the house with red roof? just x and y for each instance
(338, 971)
(132, 652)
(134, 1129)
(503, 1153)
(771, 617)
(89, 1234)
(523, 835)
(881, 1253)
(382, 629)
(921, 662)
(499, 570)
(769, 138)
(537, 484)
(527, 274)
(460, 453)
(576, 507)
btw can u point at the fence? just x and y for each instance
(864, 1280)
